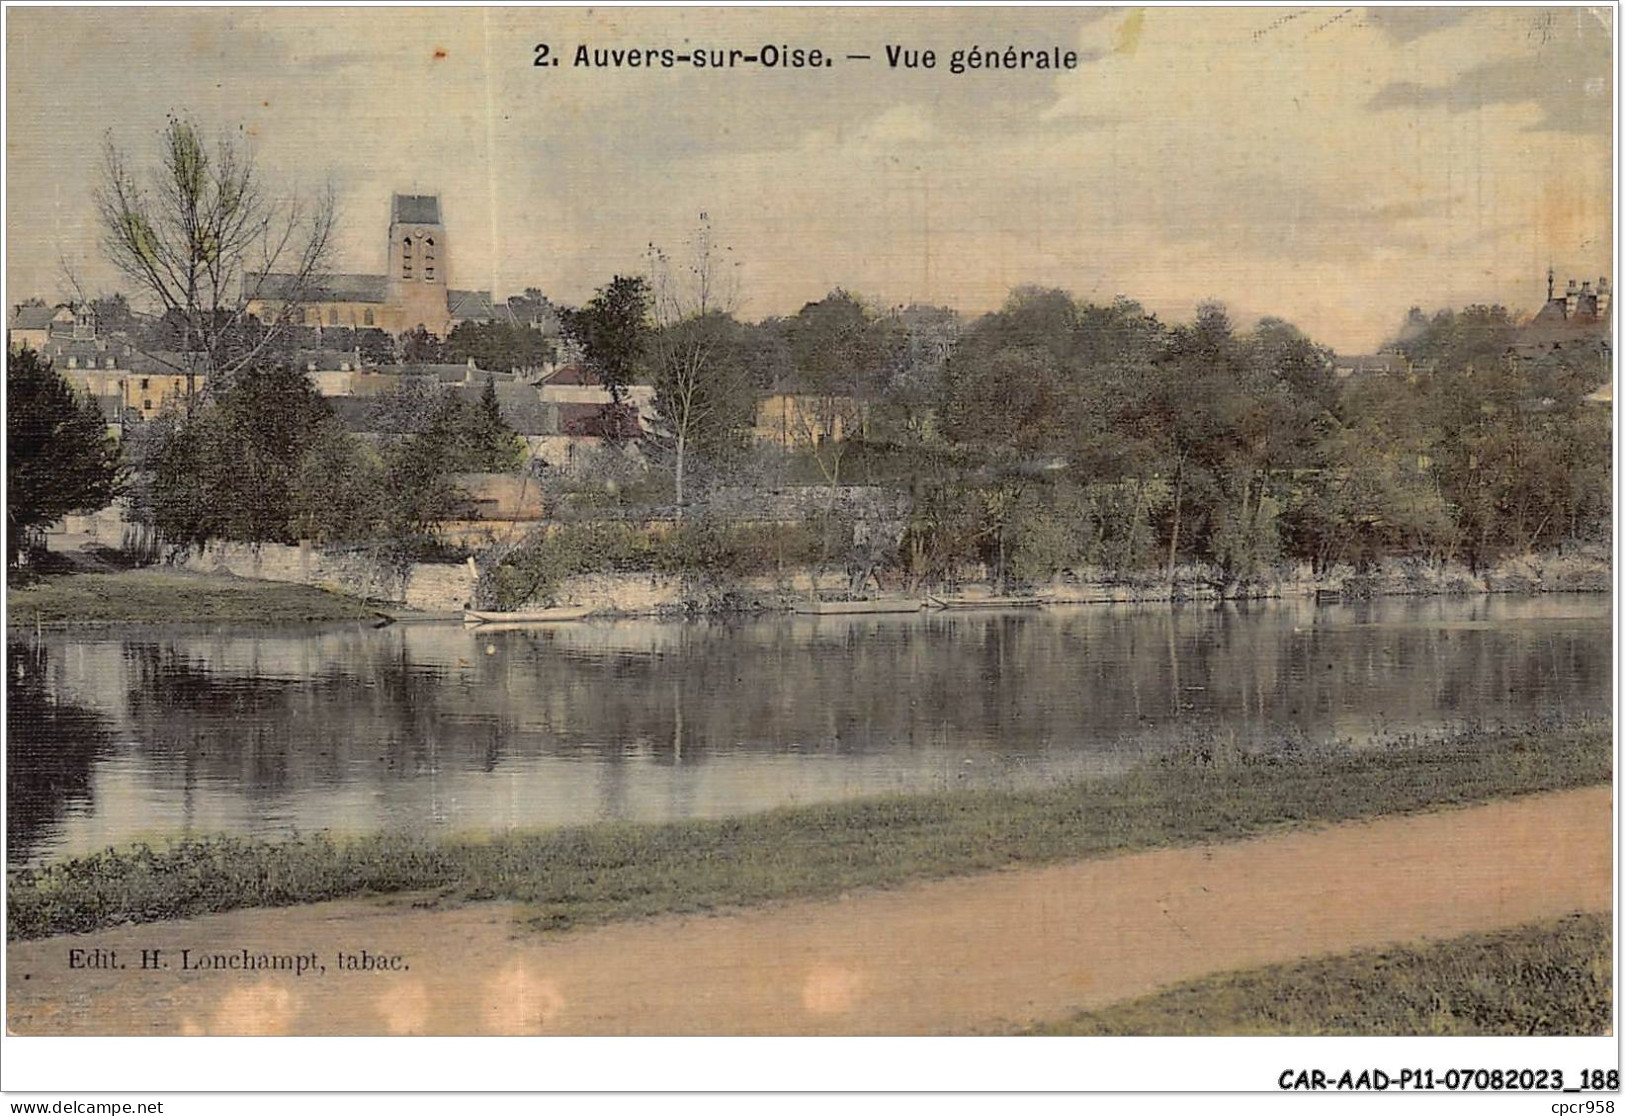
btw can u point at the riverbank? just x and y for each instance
(1551, 978)
(1581, 569)
(988, 953)
(160, 595)
(1212, 790)
(234, 582)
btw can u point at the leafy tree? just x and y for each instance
(924, 338)
(612, 331)
(766, 352)
(704, 400)
(203, 240)
(1010, 379)
(842, 357)
(492, 443)
(533, 310)
(418, 496)
(500, 345)
(231, 470)
(336, 494)
(60, 458)
(419, 346)
(459, 436)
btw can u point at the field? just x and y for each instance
(1549, 978)
(157, 596)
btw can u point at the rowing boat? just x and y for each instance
(983, 602)
(538, 616)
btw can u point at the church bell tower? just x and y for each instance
(417, 262)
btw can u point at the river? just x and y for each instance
(118, 735)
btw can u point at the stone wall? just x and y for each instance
(448, 588)
(355, 573)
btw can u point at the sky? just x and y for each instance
(1330, 166)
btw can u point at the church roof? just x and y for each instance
(337, 287)
(416, 209)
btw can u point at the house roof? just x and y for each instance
(470, 305)
(445, 373)
(33, 317)
(522, 408)
(573, 375)
(158, 363)
(325, 360)
(416, 209)
(59, 350)
(587, 419)
(528, 311)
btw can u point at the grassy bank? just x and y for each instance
(163, 596)
(1550, 978)
(1209, 791)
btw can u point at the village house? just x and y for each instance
(1577, 320)
(798, 421)
(574, 384)
(34, 325)
(129, 385)
(1369, 364)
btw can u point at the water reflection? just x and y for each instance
(51, 747)
(150, 733)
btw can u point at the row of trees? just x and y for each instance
(1053, 433)
(267, 461)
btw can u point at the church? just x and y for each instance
(414, 292)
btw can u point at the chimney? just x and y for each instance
(1604, 297)
(1571, 298)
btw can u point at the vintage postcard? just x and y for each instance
(803, 521)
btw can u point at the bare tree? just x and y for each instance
(201, 236)
(703, 394)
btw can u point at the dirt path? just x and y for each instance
(954, 956)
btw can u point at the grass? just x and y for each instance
(159, 596)
(1548, 978)
(1209, 791)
